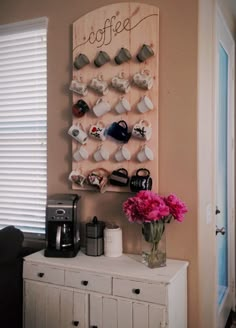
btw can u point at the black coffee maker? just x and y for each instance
(62, 226)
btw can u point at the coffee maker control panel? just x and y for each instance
(59, 214)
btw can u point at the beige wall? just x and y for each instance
(177, 126)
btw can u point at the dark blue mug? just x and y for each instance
(119, 131)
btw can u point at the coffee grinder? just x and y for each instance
(94, 237)
(62, 226)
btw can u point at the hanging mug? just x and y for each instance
(99, 179)
(101, 107)
(77, 177)
(143, 79)
(119, 178)
(122, 56)
(99, 85)
(119, 131)
(78, 133)
(79, 87)
(121, 84)
(141, 181)
(123, 106)
(98, 131)
(80, 61)
(144, 53)
(101, 59)
(81, 154)
(80, 108)
(142, 130)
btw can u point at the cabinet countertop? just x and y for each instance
(127, 265)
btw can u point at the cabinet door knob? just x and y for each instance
(76, 323)
(40, 274)
(84, 282)
(136, 291)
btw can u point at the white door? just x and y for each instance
(224, 171)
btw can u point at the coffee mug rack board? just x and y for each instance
(128, 25)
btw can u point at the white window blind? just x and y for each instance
(23, 125)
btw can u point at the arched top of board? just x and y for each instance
(109, 24)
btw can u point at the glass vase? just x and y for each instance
(154, 244)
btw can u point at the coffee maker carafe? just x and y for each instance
(63, 236)
(62, 226)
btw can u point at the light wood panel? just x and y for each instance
(128, 25)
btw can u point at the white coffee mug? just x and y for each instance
(81, 154)
(145, 104)
(101, 154)
(98, 131)
(145, 154)
(101, 107)
(79, 87)
(142, 130)
(77, 177)
(143, 79)
(99, 85)
(120, 83)
(78, 133)
(123, 106)
(122, 154)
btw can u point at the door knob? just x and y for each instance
(217, 210)
(220, 230)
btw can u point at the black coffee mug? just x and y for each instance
(80, 108)
(119, 178)
(119, 131)
(141, 182)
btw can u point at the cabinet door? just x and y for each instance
(148, 315)
(103, 311)
(41, 305)
(54, 307)
(106, 312)
(80, 309)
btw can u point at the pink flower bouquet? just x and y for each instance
(147, 206)
(153, 211)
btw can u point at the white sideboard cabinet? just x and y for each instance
(102, 292)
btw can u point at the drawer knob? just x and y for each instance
(40, 274)
(136, 291)
(84, 282)
(76, 323)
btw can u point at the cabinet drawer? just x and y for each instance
(88, 281)
(149, 292)
(43, 273)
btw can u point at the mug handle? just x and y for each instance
(142, 169)
(99, 100)
(123, 123)
(146, 71)
(148, 124)
(123, 170)
(121, 75)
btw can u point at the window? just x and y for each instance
(23, 125)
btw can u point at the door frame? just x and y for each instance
(224, 36)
